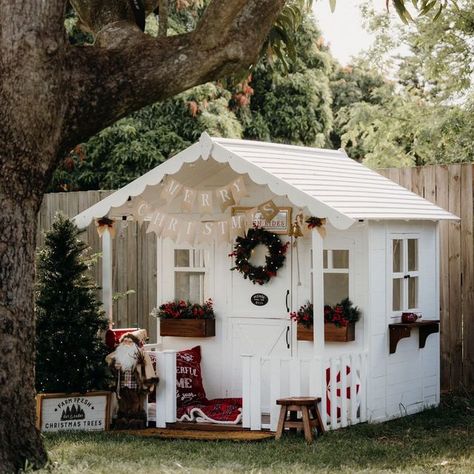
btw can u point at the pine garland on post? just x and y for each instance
(70, 353)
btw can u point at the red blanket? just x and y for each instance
(219, 410)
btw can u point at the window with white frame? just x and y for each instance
(336, 275)
(405, 273)
(190, 274)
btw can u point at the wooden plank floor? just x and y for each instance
(205, 426)
(194, 434)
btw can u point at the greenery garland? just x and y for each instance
(273, 261)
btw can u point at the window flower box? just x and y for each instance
(185, 319)
(339, 322)
(332, 333)
(188, 327)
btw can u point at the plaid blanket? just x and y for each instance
(219, 410)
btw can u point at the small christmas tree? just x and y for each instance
(70, 353)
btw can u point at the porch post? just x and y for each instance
(107, 273)
(318, 293)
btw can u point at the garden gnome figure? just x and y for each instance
(136, 378)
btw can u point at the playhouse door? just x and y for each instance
(256, 336)
(259, 322)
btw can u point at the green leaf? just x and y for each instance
(332, 5)
(401, 10)
(438, 13)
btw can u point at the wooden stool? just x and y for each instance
(307, 406)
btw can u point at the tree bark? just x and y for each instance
(52, 96)
(20, 441)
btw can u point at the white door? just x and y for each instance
(263, 336)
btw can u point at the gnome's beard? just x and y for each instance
(126, 356)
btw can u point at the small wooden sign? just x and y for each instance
(75, 412)
(259, 299)
(280, 224)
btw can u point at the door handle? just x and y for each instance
(286, 337)
(286, 301)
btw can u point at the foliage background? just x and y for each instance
(387, 109)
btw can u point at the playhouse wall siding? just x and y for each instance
(408, 381)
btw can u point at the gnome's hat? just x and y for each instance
(139, 337)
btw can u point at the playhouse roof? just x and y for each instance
(327, 182)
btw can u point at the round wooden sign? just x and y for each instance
(259, 299)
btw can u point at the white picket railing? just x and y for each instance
(340, 381)
(265, 379)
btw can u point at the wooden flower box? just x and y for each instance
(331, 333)
(343, 334)
(88, 411)
(188, 327)
(303, 333)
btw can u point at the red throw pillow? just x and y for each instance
(189, 388)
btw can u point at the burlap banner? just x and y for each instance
(191, 232)
(203, 200)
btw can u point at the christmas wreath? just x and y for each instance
(273, 261)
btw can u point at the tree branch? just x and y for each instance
(163, 17)
(133, 70)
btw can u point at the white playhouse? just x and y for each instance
(372, 241)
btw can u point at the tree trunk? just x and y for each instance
(52, 96)
(20, 442)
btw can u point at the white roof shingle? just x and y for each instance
(327, 182)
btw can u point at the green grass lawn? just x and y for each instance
(438, 440)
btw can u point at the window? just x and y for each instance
(336, 276)
(405, 274)
(189, 274)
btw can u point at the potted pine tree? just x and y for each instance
(71, 372)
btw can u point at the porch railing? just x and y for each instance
(340, 381)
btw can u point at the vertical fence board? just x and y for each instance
(442, 199)
(455, 307)
(467, 255)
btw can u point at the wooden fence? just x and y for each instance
(451, 187)
(134, 258)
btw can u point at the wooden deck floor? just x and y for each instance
(223, 433)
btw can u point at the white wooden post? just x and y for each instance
(107, 273)
(344, 401)
(275, 391)
(353, 389)
(363, 387)
(255, 393)
(246, 398)
(334, 366)
(318, 293)
(166, 391)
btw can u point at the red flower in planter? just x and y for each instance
(340, 315)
